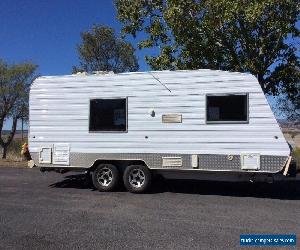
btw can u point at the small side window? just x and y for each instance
(108, 115)
(229, 108)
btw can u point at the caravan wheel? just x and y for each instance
(105, 177)
(137, 178)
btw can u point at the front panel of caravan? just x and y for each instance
(161, 124)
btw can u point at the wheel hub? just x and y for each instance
(105, 177)
(137, 178)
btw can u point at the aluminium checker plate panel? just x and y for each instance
(214, 162)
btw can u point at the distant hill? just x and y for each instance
(287, 126)
(5, 132)
(17, 134)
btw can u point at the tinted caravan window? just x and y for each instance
(227, 108)
(108, 115)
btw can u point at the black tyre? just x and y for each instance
(137, 178)
(105, 177)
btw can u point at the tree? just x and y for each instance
(290, 106)
(15, 81)
(259, 37)
(101, 50)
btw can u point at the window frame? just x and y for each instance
(227, 122)
(108, 131)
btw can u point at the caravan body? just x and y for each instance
(200, 120)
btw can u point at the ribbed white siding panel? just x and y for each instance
(59, 111)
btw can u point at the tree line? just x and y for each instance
(258, 37)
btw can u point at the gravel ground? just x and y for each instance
(54, 211)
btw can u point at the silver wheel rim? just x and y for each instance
(105, 176)
(137, 178)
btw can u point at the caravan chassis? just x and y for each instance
(287, 172)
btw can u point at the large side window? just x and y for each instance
(108, 115)
(227, 108)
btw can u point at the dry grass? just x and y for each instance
(297, 140)
(11, 163)
(296, 154)
(14, 150)
(293, 138)
(14, 157)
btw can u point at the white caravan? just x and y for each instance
(198, 124)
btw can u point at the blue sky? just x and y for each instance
(47, 32)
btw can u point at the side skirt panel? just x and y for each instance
(206, 162)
